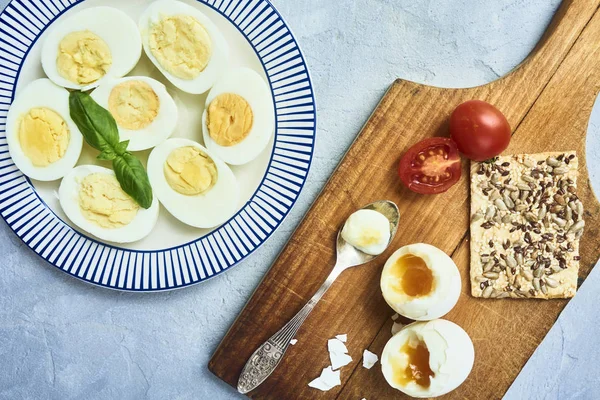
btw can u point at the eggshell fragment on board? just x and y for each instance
(338, 353)
(397, 327)
(336, 346)
(369, 359)
(342, 338)
(293, 341)
(328, 380)
(339, 360)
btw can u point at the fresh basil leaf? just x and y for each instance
(96, 124)
(99, 129)
(133, 179)
(121, 148)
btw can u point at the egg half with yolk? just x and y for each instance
(43, 141)
(93, 199)
(144, 111)
(239, 119)
(420, 282)
(368, 231)
(84, 48)
(184, 44)
(428, 359)
(193, 184)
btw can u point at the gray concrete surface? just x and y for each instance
(62, 339)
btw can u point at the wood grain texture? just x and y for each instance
(547, 101)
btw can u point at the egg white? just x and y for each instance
(446, 284)
(355, 226)
(252, 87)
(205, 210)
(68, 194)
(112, 25)
(159, 130)
(451, 356)
(42, 93)
(220, 50)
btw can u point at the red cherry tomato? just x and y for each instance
(430, 166)
(480, 130)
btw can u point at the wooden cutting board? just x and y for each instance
(547, 101)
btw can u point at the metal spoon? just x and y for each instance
(266, 358)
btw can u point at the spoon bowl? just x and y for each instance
(350, 256)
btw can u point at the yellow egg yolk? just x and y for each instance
(83, 57)
(417, 368)
(43, 136)
(104, 203)
(413, 276)
(190, 171)
(181, 45)
(229, 119)
(368, 237)
(133, 104)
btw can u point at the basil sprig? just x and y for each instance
(99, 129)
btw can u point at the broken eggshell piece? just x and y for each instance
(342, 338)
(328, 380)
(338, 353)
(369, 359)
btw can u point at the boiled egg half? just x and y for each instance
(194, 185)
(239, 119)
(92, 199)
(420, 282)
(89, 46)
(368, 231)
(43, 141)
(145, 112)
(428, 359)
(184, 44)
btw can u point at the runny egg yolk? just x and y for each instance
(229, 119)
(43, 136)
(104, 203)
(83, 57)
(413, 276)
(417, 367)
(181, 45)
(190, 171)
(133, 104)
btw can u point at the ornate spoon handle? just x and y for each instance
(266, 358)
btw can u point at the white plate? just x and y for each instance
(173, 255)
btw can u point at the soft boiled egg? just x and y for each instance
(420, 282)
(184, 44)
(83, 49)
(239, 118)
(193, 184)
(368, 231)
(428, 359)
(43, 140)
(145, 112)
(92, 199)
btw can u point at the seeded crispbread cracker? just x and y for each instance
(526, 221)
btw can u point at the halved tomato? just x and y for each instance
(431, 166)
